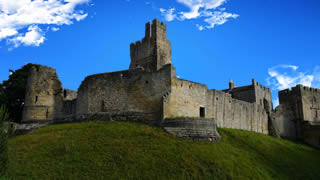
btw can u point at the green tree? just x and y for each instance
(4, 117)
(13, 90)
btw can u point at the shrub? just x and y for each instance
(4, 116)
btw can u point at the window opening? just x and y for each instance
(36, 100)
(102, 106)
(47, 114)
(202, 112)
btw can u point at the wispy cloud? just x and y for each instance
(286, 76)
(54, 29)
(20, 20)
(206, 10)
(169, 14)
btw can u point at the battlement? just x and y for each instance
(299, 90)
(155, 31)
(309, 89)
(296, 93)
(258, 85)
(154, 50)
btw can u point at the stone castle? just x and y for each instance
(151, 92)
(298, 116)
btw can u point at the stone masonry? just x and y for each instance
(149, 91)
(298, 115)
(45, 98)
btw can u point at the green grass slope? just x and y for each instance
(113, 150)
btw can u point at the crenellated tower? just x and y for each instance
(154, 51)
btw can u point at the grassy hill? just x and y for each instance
(112, 150)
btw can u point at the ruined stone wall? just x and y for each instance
(69, 94)
(69, 102)
(69, 107)
(154, 51)
(186, 99)
(43, 99)
(237, 114)
(125, 92)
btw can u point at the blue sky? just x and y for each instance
(274, 41)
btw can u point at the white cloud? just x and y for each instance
(218, 18)
(17, 16)
(286, 76)
(168, 14)
(34, 37)
(55, 29)
(206, 10)
(200, 27)
(7, 32)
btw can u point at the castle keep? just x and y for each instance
(150, 91)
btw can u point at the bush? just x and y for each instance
(4, 116)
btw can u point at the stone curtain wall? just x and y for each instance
(237, 114)
(125, 91)
(186, 99)
(69, 94)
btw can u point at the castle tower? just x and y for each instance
(154, 51)
(43, 97)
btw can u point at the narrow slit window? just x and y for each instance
(47, 114)
(36, 100)
(102, 106)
